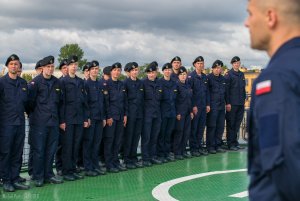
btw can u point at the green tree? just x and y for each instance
(72, 49)
(26, 77)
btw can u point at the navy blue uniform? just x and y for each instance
(216, 116)
(236, 97)
(183, 126)
(116, 109)
(201, 99)
(174, 76)
(168, 116)
(13, 102)
(133, 130)
(152, 118)
(93, 137)
(44, 99)
(74, 112)
(273, 154)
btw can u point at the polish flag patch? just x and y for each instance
(263, 87)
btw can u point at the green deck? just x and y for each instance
(138, 184)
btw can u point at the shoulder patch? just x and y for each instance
(32, 83)
(263, 87)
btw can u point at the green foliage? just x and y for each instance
(72, 49)
(27, 77)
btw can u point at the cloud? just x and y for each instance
(128, 30)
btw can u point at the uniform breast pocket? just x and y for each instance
(56, 95)
(93, 94)
(113, 95)
(158, 94)
(70, 93)
(148, 94)
(9, 94)
(24, 94)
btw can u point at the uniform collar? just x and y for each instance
(294, 42)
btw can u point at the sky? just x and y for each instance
(128, 30)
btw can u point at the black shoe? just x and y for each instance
(179, 157)
(19, 186)
(121, 167)
(170, 158)
(21, 179)
(78, 176)
(239, 147)
(233, 148)
(90, 173)
(187, 155)
(130, 166)
(155, 161)
(69, 177)
(100, 171)
(59, 173)
(220, 150)
(138, 164)
(147, 163)
(55, 180)
(163, 160)
(39, 183)
(196, 154)
(203, 152)
(212, 151)
(113, 170)
(7, 187)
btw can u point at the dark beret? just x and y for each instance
(63, 63)
(152, 67)
(72, 59)
(38, 64)
(198, 59)
(177, 58)
(47, 60)
(235, 59)
(167, 66)
(94, 63)
(131, 65)
(116, 65)
(217, 63)
(87, 66)
(182, 69)
(12, 57)
(106, 70)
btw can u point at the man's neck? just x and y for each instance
(46, 76)
(72, 75)
(12, 76)
(167, 78)
(94, 78)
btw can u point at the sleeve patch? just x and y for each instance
(263, 87)
(268, 131)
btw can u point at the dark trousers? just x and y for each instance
(44, 140)
(112, 143)
(215, 128)
(30, 158)
(91, 145)
(58, 155)
(198, 126)
(11, 149)
(234, 119)
(70, 147)
(150, 133)
(164, 137)
(131, 139)
(182, 134)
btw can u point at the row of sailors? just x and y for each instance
(167, 114)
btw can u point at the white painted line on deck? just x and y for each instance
(240, 195)
(161, 192)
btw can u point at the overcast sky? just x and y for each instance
(128, 30)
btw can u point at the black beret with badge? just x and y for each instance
(86, 66)
(177, 58)
(151, 67)
(182, 69)
(72, 59)
(235, 59)
(106, 70)
(217, 63)
(12, 57)
(63, 63)
(116, 65)
(131, 65)
(167, 66)
(47, 60)
(38, 64)
(198, 59)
